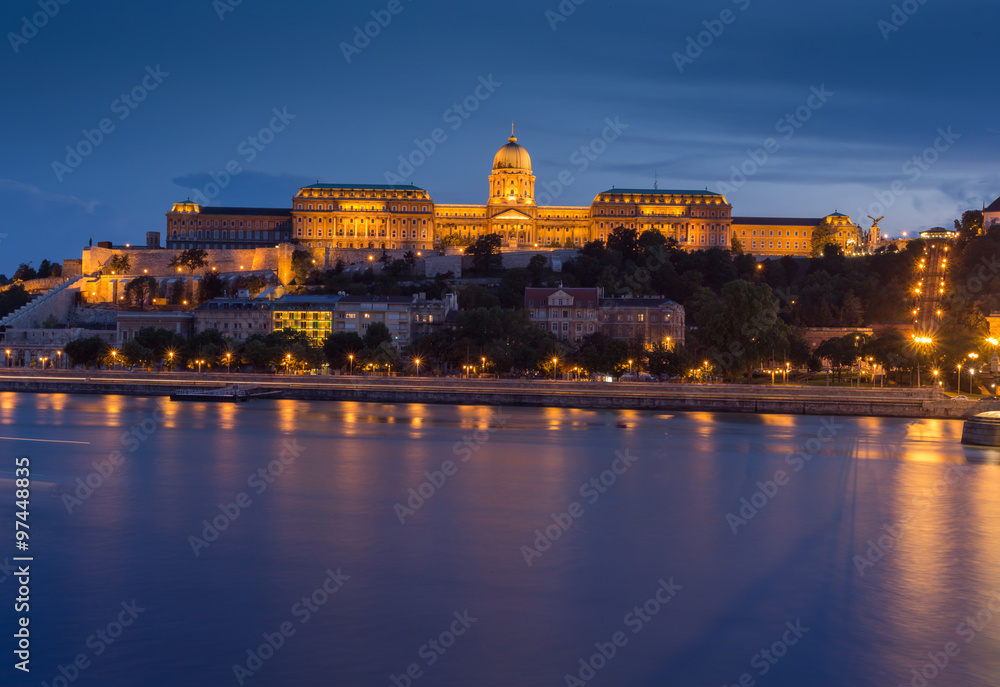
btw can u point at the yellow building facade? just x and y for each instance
(374, 216)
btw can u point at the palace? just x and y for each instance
(375, 216)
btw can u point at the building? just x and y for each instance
(405, 218)
(128, 324)
(651, 320)
(572, 314)
(778, 236)
(311, 315)
(991, 215)
(236, 318)
(190, 225)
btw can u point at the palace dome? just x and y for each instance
(512, 156)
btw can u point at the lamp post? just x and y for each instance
(170, 356)
(555, 361)
(288, 363)
(416, 363)
(630, 370)
(351, 358)
(59, 359)
(199, 365)
(10, 362)
(972, 368)
(114, 359)
(958, 379)
(483, 368)
(229, 359)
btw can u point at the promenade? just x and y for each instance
(780, 399)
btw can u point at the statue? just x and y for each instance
(872, 236)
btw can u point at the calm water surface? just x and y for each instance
(876, 539)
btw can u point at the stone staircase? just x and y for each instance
(55, 302)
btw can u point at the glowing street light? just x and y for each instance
(416, 363)
(351, 358)
(229, 359)
(555, 362)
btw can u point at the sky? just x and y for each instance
(790, 109)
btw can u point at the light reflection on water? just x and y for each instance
(334, 506)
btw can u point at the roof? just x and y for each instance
(512, 156)
(365, 187)
(994, 206)
(209, 210)
(659, 192)
(780, 221)
(376, 299)
(590, 295)
(648, 302)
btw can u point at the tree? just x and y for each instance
(970, 225)
(625, 241)
(339, 345)
(841, 351)
(87, 352)
(210, 286)
(25, 272)
(134, 353)
(12, 299)
(302, 264)
(472, 296)
(454, 241)
(485, 253)
(743, 328)
(568, 243)
(139, 289)
(376, 334)
(119, 263)
(256, 354)
(191, 258)
(735, 245)
(822, 235)
(44, 269)
(536, 269)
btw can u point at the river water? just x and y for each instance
(278, 543)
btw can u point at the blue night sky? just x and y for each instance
(691, 120)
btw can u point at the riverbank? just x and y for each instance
(778, 399)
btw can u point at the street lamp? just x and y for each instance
(416, 363)
(59, 358)
(555, 361)
(10, 363)
(114, 359)
(170, 355)
(351, 358)
(199, 365)
(483, 368)
(630, 369)
(229, 359)
(288, 363)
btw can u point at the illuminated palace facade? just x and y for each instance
(373, 216)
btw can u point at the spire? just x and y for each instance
(513, 138)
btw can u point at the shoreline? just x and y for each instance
(737, 398)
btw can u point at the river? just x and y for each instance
(307, 543)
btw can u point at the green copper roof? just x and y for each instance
(366, 187)
(659, 192)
